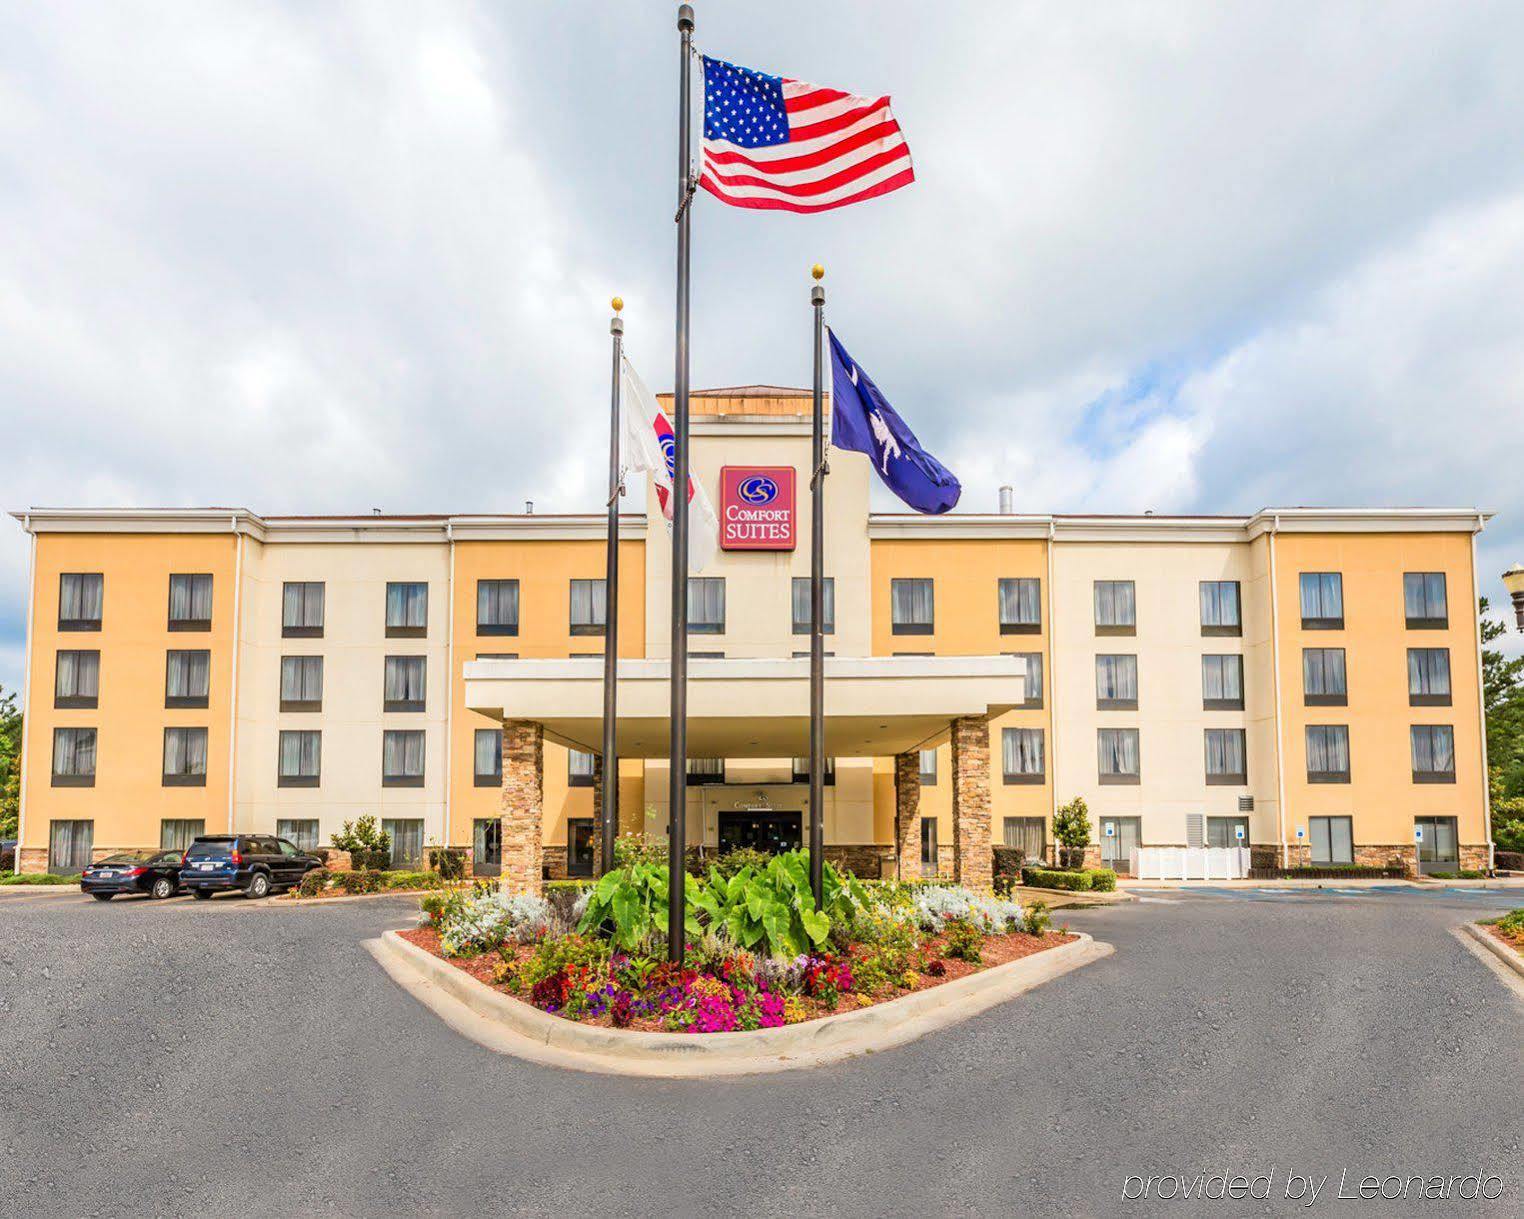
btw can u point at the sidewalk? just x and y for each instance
(1501, 882)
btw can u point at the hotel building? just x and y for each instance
(1309, 677)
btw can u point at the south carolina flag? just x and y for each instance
(647, 444)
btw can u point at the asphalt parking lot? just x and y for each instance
(237, 1056)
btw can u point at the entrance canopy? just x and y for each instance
(874, 706)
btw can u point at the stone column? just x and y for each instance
(597, 814)
(523, 805)
(973, 864)
(907, 814)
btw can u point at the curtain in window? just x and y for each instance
(407, 842)
(489, 753)
(1433, 749)
(1423, 594)
(929, 843)
(302, 604)
(928, 765)
(74, 751)
(1219, 603)
(1428, 670)
(1023, 751)
(1332, 839)
(706, 601)
(497, 603)
(1222, 678)
(80, 596)
(589, 603)
(404, 679)
(407, 605)
(698, 766)
(1328, 749)
(1034, 675)
(911, 602)
(1027, 833)
(1119, 751)
(79, 675)
(580, 765)
(175, 834)
(301, 832)
(801, 591)
(1322, 594)
(402, 754)
(69, 844)
(1323, 671)
(301, 679)
(300, 754)
(1115, 603)
(1020, 602)
(185, 751)
(190, 598)
(189, 674)
(1116, 677)
(1225, 751)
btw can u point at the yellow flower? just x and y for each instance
(793, 1010)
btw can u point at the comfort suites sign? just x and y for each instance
(757, 508)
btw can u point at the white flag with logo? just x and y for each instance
(648, 445)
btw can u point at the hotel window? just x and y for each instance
(801, 596)
(187, 678)
(500, 655)
(185, 757)
(1020, 606)
(1116, 607)
(706, 605)
(1327, 753)
(69, 846)
(1433, 753)
(190, 603)
(77, 679)
(579, 768)
(402, 757)
(928, 768)
(912, 607)
(1322, 594)
(300, 832)
(1021, 752)
(801, 771)
(404, 683)
(488, 766)
(1438, 849)
(692, 655)
(301, 683)
(74, 757)
(1333, 839)
(1029, 835)
(589, 607)
(1222, 682)
(1423, 600)
(1116, 683)
(177, 833)
(1219, 608)
(1225, 758)
(497, 607)
(1033, 685)
(301, 609)
(1323, 680)
(1429, 677)
(299, 759)
(80, 598)
(1118, 750)
(706, 770)
(1223, 831)
(929, 862)
(407, 610)
(407, 841)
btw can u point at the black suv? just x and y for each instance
(252, 863)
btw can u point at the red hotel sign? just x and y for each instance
(757, 508)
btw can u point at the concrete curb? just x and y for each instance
(1484, 937)
(510, 1026)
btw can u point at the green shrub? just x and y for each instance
(314, 883)
(368, 881)
(637, 848)
(411, 880)
(1071, 830)
(576, 885)
(1035, 919)
(1007, 867)
(1048, 878)
(1512, 923)
(38, 878)
(965, 942)
(449, 862)
(1103, 880)
(731, 862)
(369, 846)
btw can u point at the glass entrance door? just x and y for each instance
(579, 846)
(767, 831)
(487, 847)
(1439, 850)
(1117, 846)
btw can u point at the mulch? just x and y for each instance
(1516, 942)
(997, 950)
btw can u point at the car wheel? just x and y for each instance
(201, 895)
(162, 888)
(101, 897)
(259, 886)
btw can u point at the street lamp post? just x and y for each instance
(1513, 581)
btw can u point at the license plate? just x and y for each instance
(104, 875)
(206, 867)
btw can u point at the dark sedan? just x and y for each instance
(154, 873)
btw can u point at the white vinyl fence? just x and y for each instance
(1190, 863)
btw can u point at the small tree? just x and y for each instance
(1071, 827)
(10, 765)
(368, 846)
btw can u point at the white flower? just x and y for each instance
(936, 905)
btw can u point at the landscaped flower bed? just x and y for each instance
(1510, 929)
(758, 955)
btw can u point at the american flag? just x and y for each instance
(771, 142)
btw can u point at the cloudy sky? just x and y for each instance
(327, 257)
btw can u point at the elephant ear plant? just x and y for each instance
(632, 901)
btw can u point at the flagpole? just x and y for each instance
(817, 602)
(610, 827)
(677, 791)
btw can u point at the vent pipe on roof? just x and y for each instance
(1007, 500)
(529, 507)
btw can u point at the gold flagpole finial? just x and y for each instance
(817, 271)
(617, 303)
